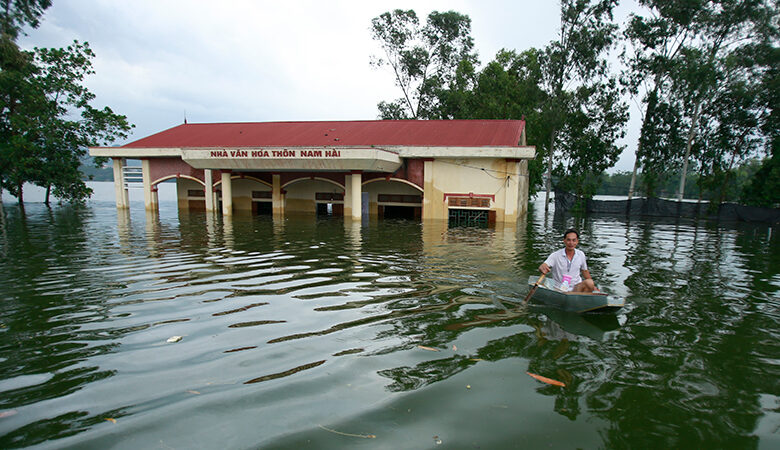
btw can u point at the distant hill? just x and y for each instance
(92, 173)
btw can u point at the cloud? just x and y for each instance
(243, 60)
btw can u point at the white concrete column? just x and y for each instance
(277, 199)
(122, 198)
(356, 195)
(522, 189)
(511, 194)
(149, 196)
(227, 193)
(347, 196)
(208, 175)
(428, 194)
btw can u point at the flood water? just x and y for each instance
(320, 333)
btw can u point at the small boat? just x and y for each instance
(549, 293)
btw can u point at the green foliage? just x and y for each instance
(425, 59)
(583, 108)
(47, 120)
(507, 88)
(15, 14)
(747, 183)
(703, 71)
(763, 189)
(614, 184)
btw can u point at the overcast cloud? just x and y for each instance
(248, 61)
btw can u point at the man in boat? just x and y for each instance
(568, 263)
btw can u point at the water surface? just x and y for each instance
(319, 333)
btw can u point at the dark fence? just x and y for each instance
(655, 207)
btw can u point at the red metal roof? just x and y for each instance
(412, 133)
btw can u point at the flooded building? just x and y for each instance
(431, 169)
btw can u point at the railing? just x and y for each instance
(134, 178)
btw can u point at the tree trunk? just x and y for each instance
(548, 185)
(652, 101)
(21, 195)
(691, 135)
(48, 191)
(633, 178)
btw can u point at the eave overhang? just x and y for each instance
(369, 159)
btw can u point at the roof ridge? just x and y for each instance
(353, 121)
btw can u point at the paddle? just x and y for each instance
(533, 289)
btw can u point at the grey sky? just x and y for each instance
(246, 61)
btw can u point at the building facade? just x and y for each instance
(406, 168)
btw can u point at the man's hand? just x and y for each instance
(544, 268)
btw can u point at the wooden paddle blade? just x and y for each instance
(533, 289)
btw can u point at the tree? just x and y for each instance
(577, 85)
(683, 63)
(15, 14)
(507, 88)
(729, 130)
(652, 46)
(588, 137)
(764, 187)
(729, 27)
(424, 58)
(47, 121)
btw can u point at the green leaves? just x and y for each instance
(698, 67)
(15, 14)
(583, 108)
(573, 107)
(47, 121)
(425, 59)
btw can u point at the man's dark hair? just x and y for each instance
(571, 230)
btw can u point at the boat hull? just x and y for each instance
(548, 294)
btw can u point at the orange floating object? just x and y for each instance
(546, 380)
(430, 349)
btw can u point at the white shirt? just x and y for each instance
(560, 265)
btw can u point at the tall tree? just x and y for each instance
(508, 88)
(680, 61)
(577, 83)
(653, 43)
(424, 58)
(47, 120)
(728, 27)
(16, 14)
(730, 126)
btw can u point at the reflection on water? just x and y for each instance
(333, 333)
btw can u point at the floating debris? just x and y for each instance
(430, 349)
(108, 419)
(468, 386)
(455, 349)
(437, 440)
(545, 379)
(349, 352)
(241, 349)
(8, 413)
(255, 323)
(363, 436)
(173, 339)
(285, 373)
(193, 392)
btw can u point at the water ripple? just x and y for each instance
(304, 323)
